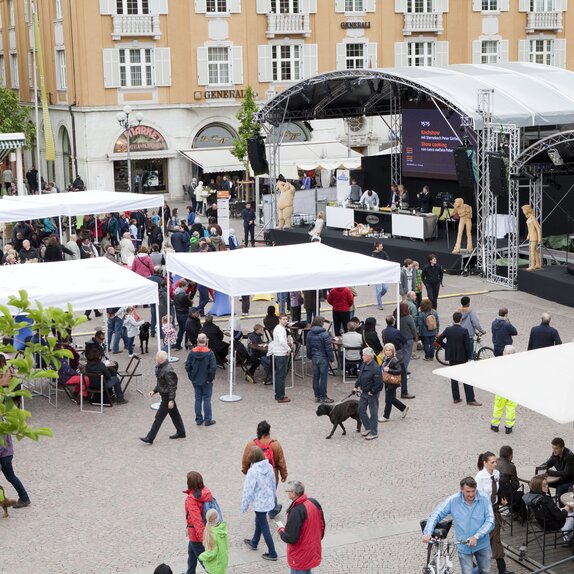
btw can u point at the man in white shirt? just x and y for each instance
(280, 348)
(369, 199)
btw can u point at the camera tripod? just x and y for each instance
(446, 206)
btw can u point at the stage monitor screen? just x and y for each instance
(428, 141)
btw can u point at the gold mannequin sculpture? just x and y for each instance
(464, 211)
(534, 236)
(285, 204)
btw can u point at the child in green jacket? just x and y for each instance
(215, 557)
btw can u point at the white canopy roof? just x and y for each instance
(286, 268)
(302, 155)
(541, 380)
(85, 284)
(20, 208)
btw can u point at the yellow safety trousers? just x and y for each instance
(500, 403)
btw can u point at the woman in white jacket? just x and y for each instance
(317, 229)
(259, 492)
(127, 249)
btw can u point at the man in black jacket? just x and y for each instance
(392, 335)
(166, 386)
(216, 343)
(502, 332)
(432, 274)
(193, 326)
(370, 382)
(182, 304)
(543, 335)
(458, 352)
(248, 217)
(562, 461)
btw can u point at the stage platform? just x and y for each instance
(551, 282)
(397, 249)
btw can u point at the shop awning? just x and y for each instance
(10, 142)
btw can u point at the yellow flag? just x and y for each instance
(48, 135)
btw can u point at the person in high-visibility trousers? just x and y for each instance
(501, 404)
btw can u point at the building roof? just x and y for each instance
(525, 94)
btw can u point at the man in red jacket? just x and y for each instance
(341, 299)
(304, 530)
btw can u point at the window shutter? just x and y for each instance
(339, 5)
(107, 7)
(559, 49)
(341, 53)
(263, 6)
(524, 5)
(158, 7)
(200, 6)
(162, 58)
(372, 61)
(441, 54)
(371, 5)
(441, 6)
(400, 6)
(234, 7)
(312, 9)
(503, 5)
(401, 54)
(111, 68)
(310, 60)
(202, 74)
(237, 64)
(523, 50)
(503, 51)
(477, 5)
(264, 59)
(561, 5)
(476, 51)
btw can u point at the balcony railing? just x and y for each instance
(136, 25)
(422, 22)
(545, 21)
(278, 24)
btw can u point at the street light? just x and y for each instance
(124, 121)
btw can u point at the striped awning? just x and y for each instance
(12, 141)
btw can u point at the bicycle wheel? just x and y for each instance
(485, 353)
(440, 356)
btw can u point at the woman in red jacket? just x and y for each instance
(197, 495)
(341, 299)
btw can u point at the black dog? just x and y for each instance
(340, 413)
(144, 336)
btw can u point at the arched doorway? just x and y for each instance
(67, 160)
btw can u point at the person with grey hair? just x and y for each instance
(543, 335)
(501, 404)
(304, 530)
(166, 386)
(320, 350)
(201, 367)
(370, 383)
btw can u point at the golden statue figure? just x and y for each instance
(534, 237)
(464, 211)
(285, 204)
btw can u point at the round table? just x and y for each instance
(567, 498)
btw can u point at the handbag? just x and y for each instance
(390, 379)
(379, 357)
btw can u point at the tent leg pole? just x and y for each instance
(170, 359)
(398, 308)
(231, 398)
(60, 229)
(158, 327)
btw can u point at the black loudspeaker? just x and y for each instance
(257, 156)
(498, 174)
(463, 165)
(570, 269)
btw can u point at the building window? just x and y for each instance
(58, 9)
(490, 5)
(135, 67)
(420, 6)
(132, 6)
(30, 68)
(285, 6)
(286, 63)
(542, 5)
(217, 7)
(61, 77)
(420, 54)
(12, 15)
(2, 72)
(218, 65)
(490, 52)
(541, 52)
(355, 56)
(354, 5)
(14, 77)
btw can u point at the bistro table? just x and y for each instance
(567, 498)
(525, 474)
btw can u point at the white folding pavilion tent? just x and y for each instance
(308, 266)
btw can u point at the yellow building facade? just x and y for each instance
(185, 65)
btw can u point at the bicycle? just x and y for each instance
(479, 351)
(439, 551)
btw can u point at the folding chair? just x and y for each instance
(57, 385)
(130, 373)
(355, 362)
(93, 389)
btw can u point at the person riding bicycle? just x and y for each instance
(473, 521)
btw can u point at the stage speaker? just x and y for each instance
(570, 269)
(257, 156)
(498, 174)
(463, 165)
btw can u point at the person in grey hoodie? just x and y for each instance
(259, 492)
(470, 319)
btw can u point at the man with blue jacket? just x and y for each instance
(502, 332)
(473, 521)
(320, 351)
(370, 381)
(201, 367)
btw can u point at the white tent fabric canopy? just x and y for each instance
(307, 266)
(20, 208)
(85, 284)
(541, 380)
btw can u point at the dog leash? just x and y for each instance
(352, 393)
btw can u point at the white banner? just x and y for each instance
(343, 184)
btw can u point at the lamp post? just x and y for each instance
(123, 118)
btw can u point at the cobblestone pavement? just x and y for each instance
(103, 502)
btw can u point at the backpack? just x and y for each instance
(267, 451)
(430, 321)
(207, 506)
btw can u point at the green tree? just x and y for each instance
(13, 420)
(248, 128)
(15, 117)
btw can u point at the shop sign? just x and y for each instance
(214, 135)
(354, 25)
(142, 138)
(291, 133)
(220, 94)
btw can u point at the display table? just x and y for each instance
(414, 226)
(345, 217)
